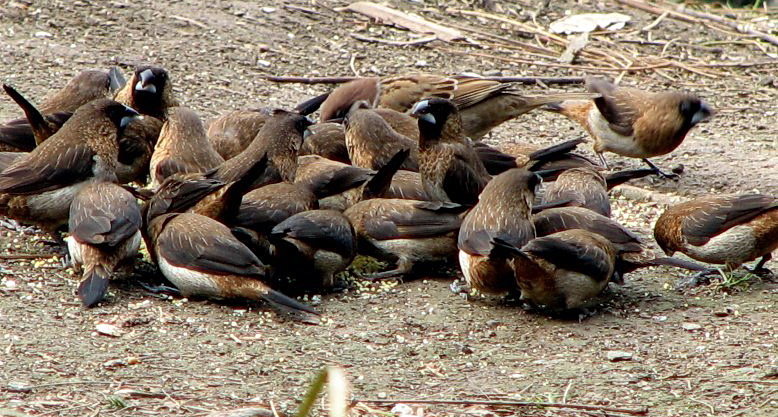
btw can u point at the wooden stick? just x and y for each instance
(635, 412)
(692, 16)
(395, 43)
(29, 256)
(340, 80)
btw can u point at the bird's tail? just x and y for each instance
(256, 289)
(40, 127)
(618, 178)
(379, 184)
(94, 285)
(629, 265)
(495, 161)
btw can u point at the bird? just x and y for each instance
(371, 141)
(182, 147)
(86, 86)
(104, 224)
(202, 193)
(582, 187)
(533, 157)
(310, 247)
(449, 166)
(406, 232)
(327, 140)
(279, 140)
(503, 212)
(631, 251)
(232, 132)
(39, 187)
(727, 229)
(201, 257)
(339, 186)
(563, 270)
(484, 103)
(635, 123)
(149, 91)
(263, 208)
(19, 136)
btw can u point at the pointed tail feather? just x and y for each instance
(554, 151)
(618, 178)
(311, 105)
(379, 184)
(40, 126)
(94, 286)
(292, 307)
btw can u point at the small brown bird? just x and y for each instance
(105, 235)
(265, 207)
(632, 254)
(232, 133)
(503, 212)
(721, 229)
(182, 147)
(19, 136)
(327, 140)
(201, 257)
(339, 186)
(635, 123)
(149, 91)
(406, 232)
(580, 187)
(309, 248)
(536, 158)
(563, 270)
(39, 187)
(449, 166)
(86, 86)
(203, 194)
(484, 103)
(280, 140)
(371, 141)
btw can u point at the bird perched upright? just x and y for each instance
(149, 91)
(280, 140)
(449, 166)
(503, 212)
(721, 229)
(39, 187)
(18, 135)
(484, 103)
(563, 270)
(104, 226)
(371, 141)
(182, 147)
(635, 123)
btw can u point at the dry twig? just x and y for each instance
(634, 412)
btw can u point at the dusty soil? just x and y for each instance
(709, 351)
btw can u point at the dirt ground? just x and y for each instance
(710, 351)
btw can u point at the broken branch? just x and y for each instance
(635, 412)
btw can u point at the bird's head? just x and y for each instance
(438, 117)
(694, 110)
(151, 90)
(119, 114)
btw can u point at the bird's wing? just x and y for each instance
(48, 168)
(104, 214)
(723, 213)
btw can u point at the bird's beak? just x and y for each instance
(419, 108)
(126, 120)
(145, 83)
(116, 79)
(703, 114)
(428, 118)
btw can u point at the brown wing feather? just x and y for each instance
(36, 173)
(104, 214)
(723, 213)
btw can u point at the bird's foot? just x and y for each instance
(584, 313)
(379, 276)
(660, 173)
(160, 288)
(460, 288)
(761, 271)
(694, 280)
